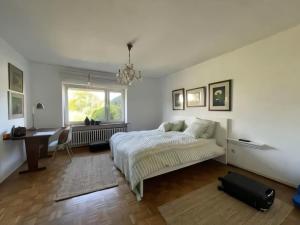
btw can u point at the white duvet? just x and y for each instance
(138, 154)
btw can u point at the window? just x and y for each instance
(115, 106)
(97, 104)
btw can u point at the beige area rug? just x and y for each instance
(85, 175)
(210, 206)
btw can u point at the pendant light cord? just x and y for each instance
(129, 56)
(129, 46)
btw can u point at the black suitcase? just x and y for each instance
(247, 190)
(99, 146)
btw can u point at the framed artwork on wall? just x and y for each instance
(220, 96)
(15, 78)
(15, 105)
(178, 99)
(196, 97)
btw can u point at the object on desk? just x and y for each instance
(6, 136)
(87, 121)
(18, 131)
(97, 122)
(244, 140)
(38, 106)
(245, 143)
(12, 131)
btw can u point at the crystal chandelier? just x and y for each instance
(128, 74)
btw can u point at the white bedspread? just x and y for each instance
(138, 154)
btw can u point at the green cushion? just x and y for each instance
(210, 129)
(196, 129)
(165, 127)
(178, 125)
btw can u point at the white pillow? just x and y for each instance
(197, 129)
(165, 127)
(211, 128)
(178, 125)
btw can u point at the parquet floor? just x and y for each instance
(28, 199)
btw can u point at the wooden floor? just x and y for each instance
(28, 199)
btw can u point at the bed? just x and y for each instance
(140, 155)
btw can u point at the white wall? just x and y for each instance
(144, 104)
(12, 153)
(144, 109)
(47, 89)
(266, 103)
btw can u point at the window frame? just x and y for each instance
(107, 91)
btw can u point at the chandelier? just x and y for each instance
(128, 74)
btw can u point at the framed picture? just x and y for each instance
(15, 78)
(220, 96)
(196, 97)
(15, 105)
(178, 99)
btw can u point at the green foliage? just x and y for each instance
(91, 104)
(83, 103)
(116, 108)
(98, 114)
(115, 112)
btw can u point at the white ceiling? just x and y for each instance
(170, 34)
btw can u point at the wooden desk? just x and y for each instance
(36, 143)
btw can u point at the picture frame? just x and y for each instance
(178, 99)
(220, 96)
(15, 78)
(196, 97)
(15, 105)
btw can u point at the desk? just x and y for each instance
(36, 143)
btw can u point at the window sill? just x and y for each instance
(102, 125)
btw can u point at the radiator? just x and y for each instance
(85, 136)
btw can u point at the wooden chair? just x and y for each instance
(62, 143)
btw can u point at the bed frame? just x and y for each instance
(221, 135)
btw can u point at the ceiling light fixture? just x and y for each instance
(128, 74)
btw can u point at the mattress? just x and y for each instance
(138, 154)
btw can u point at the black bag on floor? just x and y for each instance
(99, 146)
(247, 190)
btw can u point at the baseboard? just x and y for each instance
(266, 176)
(222, 159)
(13, 170)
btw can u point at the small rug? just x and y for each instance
(85, 175)
(209, 206)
